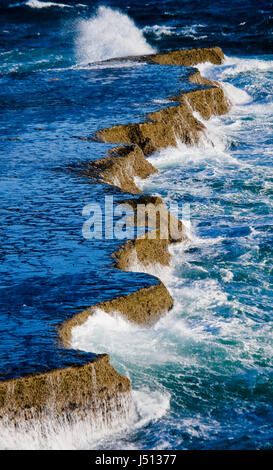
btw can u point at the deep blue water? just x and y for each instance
(202, 378)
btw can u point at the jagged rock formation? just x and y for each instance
(164, 127)
(95, 386)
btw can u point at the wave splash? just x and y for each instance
(109, 34)
(94, 431)
(39, 4)
(55, 432)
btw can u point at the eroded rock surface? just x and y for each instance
(143, 307)
(121, 166)
(95, 386)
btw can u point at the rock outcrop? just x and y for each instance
(90, 389)
(162, 229)
(95, 386)
(190, 57)
(166, 126)
(143, 307)
(121, 166)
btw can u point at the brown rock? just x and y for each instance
(189, 57)
(169, 124)
(143, 307)
(152, 247)
(91, 388)
(121, 166)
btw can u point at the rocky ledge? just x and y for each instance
(95, 387)
(121, 166)
(152, 247)
(163, 128)
(143, 307)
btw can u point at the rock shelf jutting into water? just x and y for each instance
(164, 127)
(121, 167)
(94, 385)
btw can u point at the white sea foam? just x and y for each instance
(227, 275)
(183, 155)
(236, 95)
(234, 66)
(159, 31)
(121, 338)
(55, 432)
(191, 31)
(109, 34)
(40, 4)
(193, 320)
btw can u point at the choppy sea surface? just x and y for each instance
(202, 377)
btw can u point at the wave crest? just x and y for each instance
(39, 4)
(109, 34)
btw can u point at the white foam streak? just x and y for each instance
(39, 4)
(109, 34)
(212, 148)
(233, 66)
(159, 31)
(188, 31)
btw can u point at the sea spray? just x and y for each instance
(109, 34)
(52, 431)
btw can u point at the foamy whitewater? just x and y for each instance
(202, 376)
(212, 330)
(109, 35)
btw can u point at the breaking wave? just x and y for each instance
(109, 34)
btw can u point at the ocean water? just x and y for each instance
(202, 377)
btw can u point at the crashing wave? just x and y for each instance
(109, 34)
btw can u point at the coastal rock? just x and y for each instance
(142, 307)
(150, 248)
(95, 387)
(190, 57)
(164, 127)
(207, 101)
(162, 130)
(121, 166)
